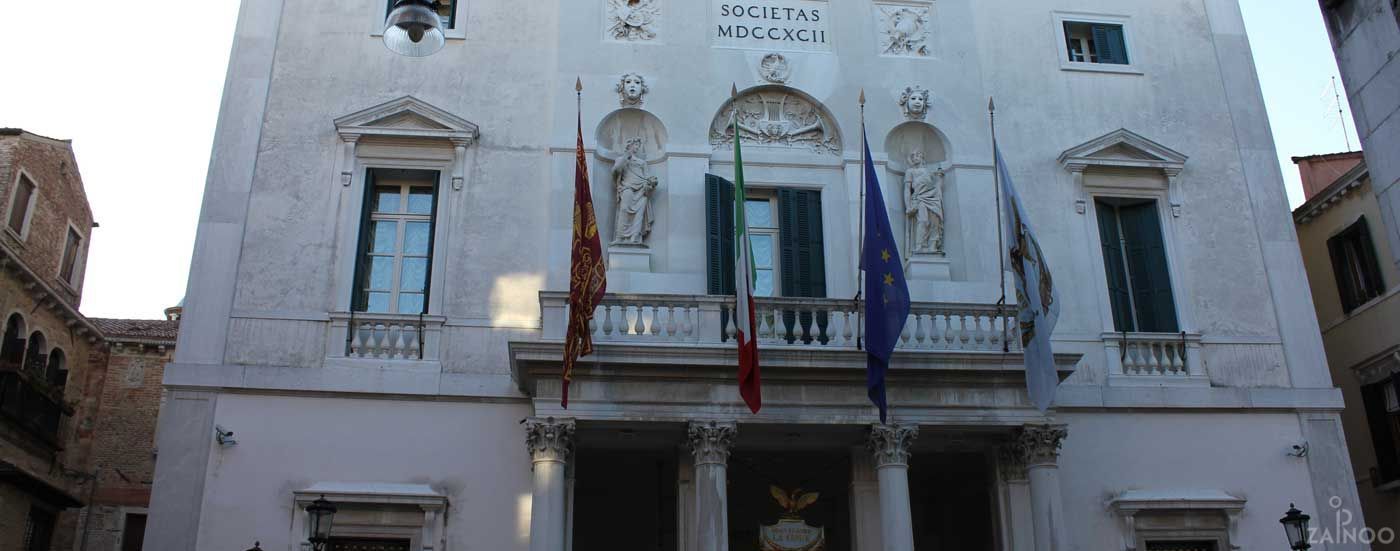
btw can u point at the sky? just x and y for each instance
(138, 90)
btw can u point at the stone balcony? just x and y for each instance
(672, 357)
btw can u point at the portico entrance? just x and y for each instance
(634, 486)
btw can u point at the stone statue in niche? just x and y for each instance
(775, 118)
(633, 20)
(635, 184)
(903, 31)
(923, 204)
(914, 101)
(632, 89)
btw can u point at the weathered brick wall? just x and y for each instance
(124, 444)
(60, 200)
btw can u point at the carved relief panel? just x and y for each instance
(776, 117)
(632, 20)
(904, 29)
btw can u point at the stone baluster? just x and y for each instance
(607, 320)
(357, 342)
(890, 446)
(411, 350)
(1040, 447)
(710, 442)
(550, 442)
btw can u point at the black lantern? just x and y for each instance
(1295, 523)
(414, 28)
(320, 513)
(257, 546)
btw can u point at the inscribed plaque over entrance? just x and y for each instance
(794, 25)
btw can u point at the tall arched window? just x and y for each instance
(57, 373)
(35, 357)
(12, 347)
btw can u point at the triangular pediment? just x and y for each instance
(1122, 148)
(407, 117)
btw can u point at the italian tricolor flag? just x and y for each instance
(746, 326)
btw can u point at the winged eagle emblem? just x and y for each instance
(794, 501)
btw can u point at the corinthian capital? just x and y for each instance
(1041, 443)
(1011, 461)
(890, 443)
(711, 441)
(549, 439)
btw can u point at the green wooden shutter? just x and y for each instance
(719, 234)
(1342, 273)
(357, 295)
(1148, 275)
(432, 241)
(1371, 266)
(800, 233)
(1382, 432)
(801, 253)
(1109, 44)
(1111, 242)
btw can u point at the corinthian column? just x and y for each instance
(890, 445)
(1040, 447)
(710, 442)
(550, 442)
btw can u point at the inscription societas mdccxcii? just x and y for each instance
(772, 24)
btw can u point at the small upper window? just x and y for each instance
(1095, 43)
(20, 205)
(67, 270)
(446, 9)
(1355, 266)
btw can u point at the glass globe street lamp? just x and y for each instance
(320, 513)
(414, 28)
(1295, 523)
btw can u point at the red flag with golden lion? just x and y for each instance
(587, 274)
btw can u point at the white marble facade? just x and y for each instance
(270, 348)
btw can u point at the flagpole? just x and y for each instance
(860, 231)
(1001, 247)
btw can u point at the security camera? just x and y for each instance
(224, 437)
(1299, 450)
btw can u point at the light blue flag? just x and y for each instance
(1039, 304)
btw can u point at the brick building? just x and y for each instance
(123, 447)
(78, 396)
(50, 362)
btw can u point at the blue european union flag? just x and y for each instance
(886, 293)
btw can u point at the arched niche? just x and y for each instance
(620, 125)
(913, 136)
(779, 117)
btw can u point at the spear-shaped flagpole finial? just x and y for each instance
(991, 105)
(862, 97)
(733, 90)
(578, 84)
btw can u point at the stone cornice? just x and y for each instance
(1332, 194)
(46, 297)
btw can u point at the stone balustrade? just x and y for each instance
(1170, 355)
(384, 336)
(782, 321)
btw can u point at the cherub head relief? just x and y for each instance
(631, 89)
(915, 103)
